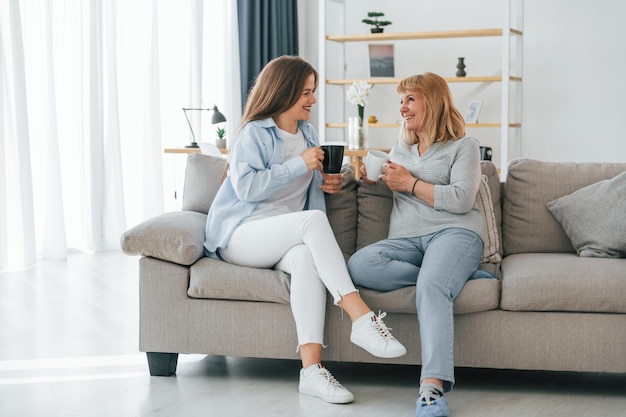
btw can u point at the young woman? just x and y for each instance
(435, 231)
(270, 213)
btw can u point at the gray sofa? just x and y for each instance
(549, 309)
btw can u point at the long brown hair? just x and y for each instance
(277, 88)
(442, 120)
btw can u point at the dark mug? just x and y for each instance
(333, 158)
(485, 153)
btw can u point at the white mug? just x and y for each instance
(374, 162)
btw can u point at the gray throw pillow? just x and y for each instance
(594, 218)
(177, 236)
(203, 176)
(491, 251)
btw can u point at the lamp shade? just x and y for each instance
(217, 116)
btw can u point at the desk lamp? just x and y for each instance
(217, 118)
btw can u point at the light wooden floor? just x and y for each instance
(68, 347)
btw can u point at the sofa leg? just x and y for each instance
(162, 364)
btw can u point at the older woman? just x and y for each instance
(435, 232)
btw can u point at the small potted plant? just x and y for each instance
(221, 140)
(378, 24)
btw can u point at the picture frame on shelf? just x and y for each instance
(473, 110)
(381, 60)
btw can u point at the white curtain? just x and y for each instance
(231, 68)
(90, 94)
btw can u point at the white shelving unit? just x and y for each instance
(509, 103)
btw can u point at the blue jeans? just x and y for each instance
(438, 265)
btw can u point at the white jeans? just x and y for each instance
(301, 244)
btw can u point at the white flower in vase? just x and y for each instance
(358, 94)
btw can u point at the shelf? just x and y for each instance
(445, 34)
(395, 80)
(508, 52)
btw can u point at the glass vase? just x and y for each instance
(357, 133)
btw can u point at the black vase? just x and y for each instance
(461, 68)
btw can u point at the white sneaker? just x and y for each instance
(319, 382)
(371, 333)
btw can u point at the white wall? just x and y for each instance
(573, 59)
(574, 84)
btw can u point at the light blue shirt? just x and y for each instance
(257, 169)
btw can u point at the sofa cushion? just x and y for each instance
(563, 282)
(341, 210)
(375, 202)
(593, 218)
(175, 237)
(214, 278)
(203, 176)
(477, 295)
(527, 225)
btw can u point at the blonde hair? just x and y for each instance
(277, 88)
(442, 120)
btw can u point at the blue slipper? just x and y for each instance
(437, 408)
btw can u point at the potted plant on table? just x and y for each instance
(378, 24)
(221, 140)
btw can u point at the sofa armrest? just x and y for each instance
(175, 237)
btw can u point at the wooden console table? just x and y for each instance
(190, 150)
